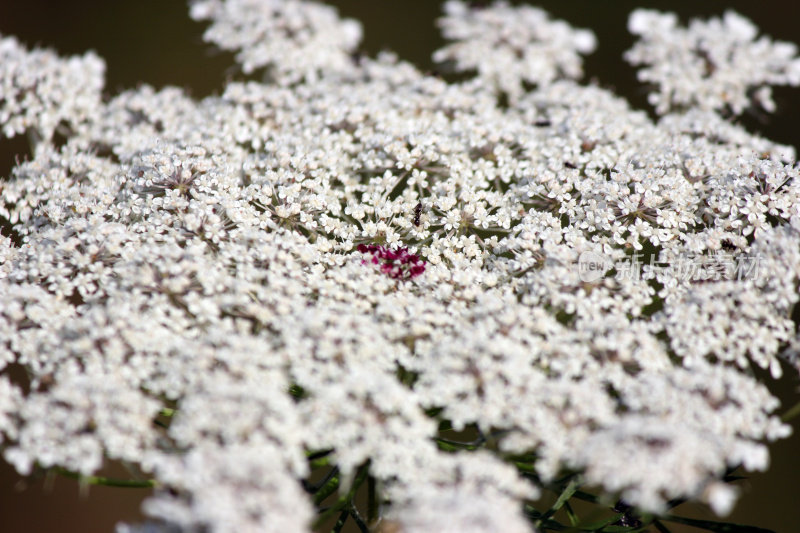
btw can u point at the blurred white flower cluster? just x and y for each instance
(526, 45)
(183, 284)
(297, 39)
(39, 91)
(717, 64)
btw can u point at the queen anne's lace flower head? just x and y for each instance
(357, 266)
(718, 64)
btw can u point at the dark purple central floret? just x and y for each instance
(397, 264)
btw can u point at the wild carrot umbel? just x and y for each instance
(341, 276)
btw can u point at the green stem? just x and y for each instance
(328, 486)
(317, 454)
(343, 500)
(565, 495)
(108, 481)
(660, 527)
(573, 517)
(448, 445)
(337, 528)
(533, 514)
(319, 458)
(587, 497)
(358, 519)
(372, 500)
(791, 413)
(716, 527)
(319, 463)
(34, 139)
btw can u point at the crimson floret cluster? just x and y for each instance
(396, 263)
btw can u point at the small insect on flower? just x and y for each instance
(417, 213)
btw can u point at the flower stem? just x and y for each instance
(108, 481)
(791, 413)
(343, 500)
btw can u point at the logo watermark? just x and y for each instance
(593, 266)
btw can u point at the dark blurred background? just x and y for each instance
(154, 42)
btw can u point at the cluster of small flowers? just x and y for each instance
(397, 264)
(296, 39)
(527, 46)
(197, 258)
(712, 65)
(39, 91)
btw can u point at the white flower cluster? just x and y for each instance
(526, 45)
(718, 64)
(193, 287)
(39, 90)
(297, 39)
